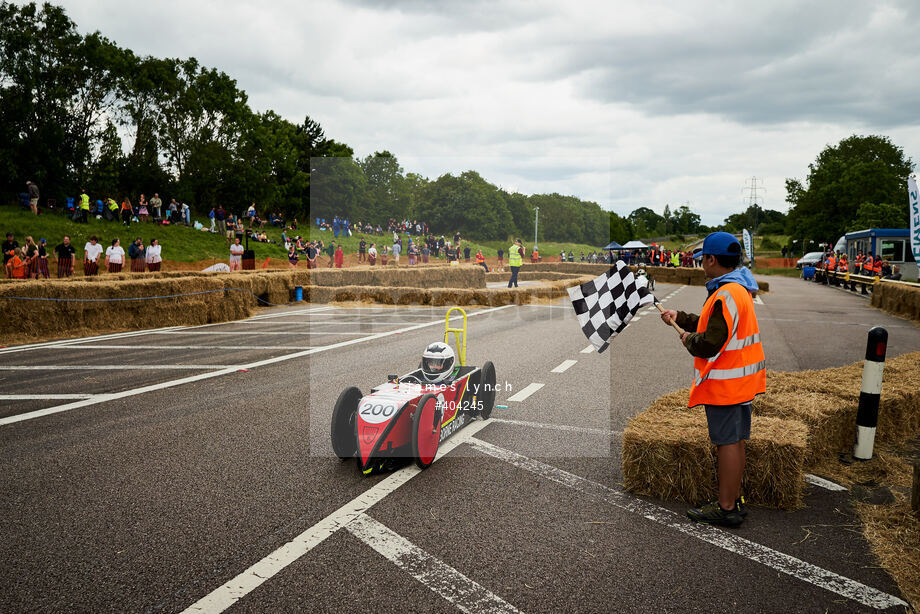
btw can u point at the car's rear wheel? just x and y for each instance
(426, 430)
(486, 393)
(344, 415)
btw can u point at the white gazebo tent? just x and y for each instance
(635, 245)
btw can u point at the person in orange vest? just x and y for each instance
(868, 266)
(877, 266)
(831, 263)
(842, 265)
(16, 267)
(481, 260)
(729, 369)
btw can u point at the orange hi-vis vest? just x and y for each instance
(867, 263)
(843, 265)
(19, 267)
(737, 373)
(877, 267)
(480, 258)
(831, 263)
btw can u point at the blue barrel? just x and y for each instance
(298, 294)
(808, 272)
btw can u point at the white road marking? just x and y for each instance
(635, 319)
(564, 366)
(108, 367)
(232, 591)
(466, 594)
(281, 314)
(588, 349)
(241, 333)
(43, 397)
(558, 427)
(826, 484)
(778, 561)
(147, 348)
(521, 395)
(67, 342)
(203, 376)
(758, 300)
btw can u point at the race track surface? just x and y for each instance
(189, 469)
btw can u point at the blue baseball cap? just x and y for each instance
(721, 244)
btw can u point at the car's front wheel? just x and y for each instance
(344, 415)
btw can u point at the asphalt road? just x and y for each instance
(191, 468)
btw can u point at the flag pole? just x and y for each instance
(679, 330)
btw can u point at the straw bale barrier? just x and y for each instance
(532, 276)
(899, 299)
(805, 419)
(667, 455)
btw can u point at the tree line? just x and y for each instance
(78, 111)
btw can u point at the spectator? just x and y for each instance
(236, 255)
(30, 256)
(501, 263)
(251, 213)
(153, 256)
(481, 260)
(33, 196)
(397, 248)
(157, 205)
(142, 211)
(185, 214)
(212, 215)
(362, 250)
(221, 216)
(412, 253)
(66, 257)
(42, 270)
(173, 217)
(231, 229)
(292, 256)
(111, 209)
(83, 214)
(16, 267)
(126, 211)
(138, 256)
(372, 254)
(466, 253)
(895, 274)
(562, 259)
(91, 252)
(311, 255)
(383, 255)
(10, 246)
(425, 253)
(339, 257)
(114, 257)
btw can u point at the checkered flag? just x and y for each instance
(606, 304)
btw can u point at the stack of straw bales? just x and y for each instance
(900, 299)
(805, 419)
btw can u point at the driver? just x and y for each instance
(437, 363)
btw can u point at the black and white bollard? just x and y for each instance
(867, 416)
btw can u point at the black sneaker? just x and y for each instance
(712, 513)
(741, 507)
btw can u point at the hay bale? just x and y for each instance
(897, 298)
(668, 455)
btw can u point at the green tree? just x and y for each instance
(881, 215)
(858, 170)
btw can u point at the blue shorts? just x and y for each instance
(728, 424)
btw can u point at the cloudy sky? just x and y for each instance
(627, 104)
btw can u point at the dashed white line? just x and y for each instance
(564, 366)
(525, 392)
(232, 591)
(203, 376)
(758, 300)
(147, 348)
(464, 593)
(240, 333)
(588, 349)
(779, 561)
(826, 484)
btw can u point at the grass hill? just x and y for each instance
(185, 244)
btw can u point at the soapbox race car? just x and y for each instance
(410, 415)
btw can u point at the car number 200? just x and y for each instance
(376, 412)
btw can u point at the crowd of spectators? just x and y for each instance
(33, 260)
(862, 264)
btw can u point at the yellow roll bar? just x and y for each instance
(459, 334)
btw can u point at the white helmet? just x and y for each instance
(437, 362)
